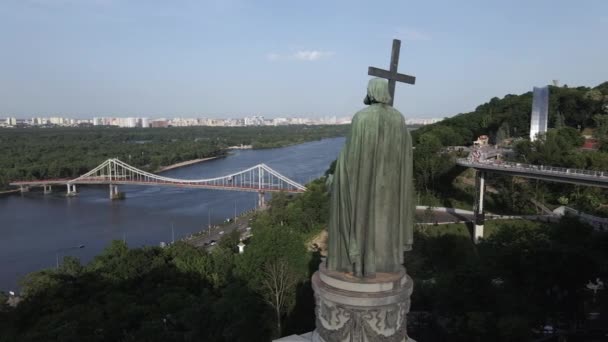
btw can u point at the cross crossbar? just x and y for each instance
(373, 71)
(392, 75)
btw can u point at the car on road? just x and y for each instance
(212, 243)
(222, 232)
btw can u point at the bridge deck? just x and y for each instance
(154, 183)
(258, 178)
(549, 173)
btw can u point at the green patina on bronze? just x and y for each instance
(372, 206)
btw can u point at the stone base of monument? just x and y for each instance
(361, 309)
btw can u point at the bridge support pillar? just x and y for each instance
(114, 193)
(71, 191)
(261, 200)
(48, 189)
(24, 188)
(480, 187)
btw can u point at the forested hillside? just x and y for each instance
(573, 114)
(510, 116)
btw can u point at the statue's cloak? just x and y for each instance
(372, 206)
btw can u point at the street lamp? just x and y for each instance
(57, 252)
(209, 221)
(172, 234)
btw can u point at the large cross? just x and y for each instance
(392, 75)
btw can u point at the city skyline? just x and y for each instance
(137, 121)
(233, 58)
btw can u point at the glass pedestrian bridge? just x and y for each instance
(542, 172)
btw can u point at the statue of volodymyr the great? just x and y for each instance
(372, 206)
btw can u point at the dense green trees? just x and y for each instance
(148, 294)
(429, 162)
(179, 293)
(558, 147)
(307, 213)
(40, 153)
(519, 278)
(274, 263)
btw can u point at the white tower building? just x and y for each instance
(540, 112)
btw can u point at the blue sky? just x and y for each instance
(230, 58)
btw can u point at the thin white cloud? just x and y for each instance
(311, 55)
(300, 55)
(411, 34)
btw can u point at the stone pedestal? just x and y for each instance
(351, 309)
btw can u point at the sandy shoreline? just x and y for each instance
(185, 163)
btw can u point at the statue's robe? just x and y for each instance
(372, 206)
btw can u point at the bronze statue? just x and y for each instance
(372, 206)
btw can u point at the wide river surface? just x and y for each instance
(35, 229)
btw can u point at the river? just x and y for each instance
(35, 229)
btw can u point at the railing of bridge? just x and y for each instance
(533, 168)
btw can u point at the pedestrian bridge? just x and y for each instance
(542, 172)
(483, 164)
(259, 178)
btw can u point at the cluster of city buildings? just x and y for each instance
(256, 120)
(51, 121)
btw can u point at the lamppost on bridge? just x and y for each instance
(59, 251)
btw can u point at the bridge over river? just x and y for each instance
(113, 172)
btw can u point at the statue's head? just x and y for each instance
(377, 92)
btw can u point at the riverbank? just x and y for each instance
(185, 163)
(9, 192)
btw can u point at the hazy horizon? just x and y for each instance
(236, 58)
